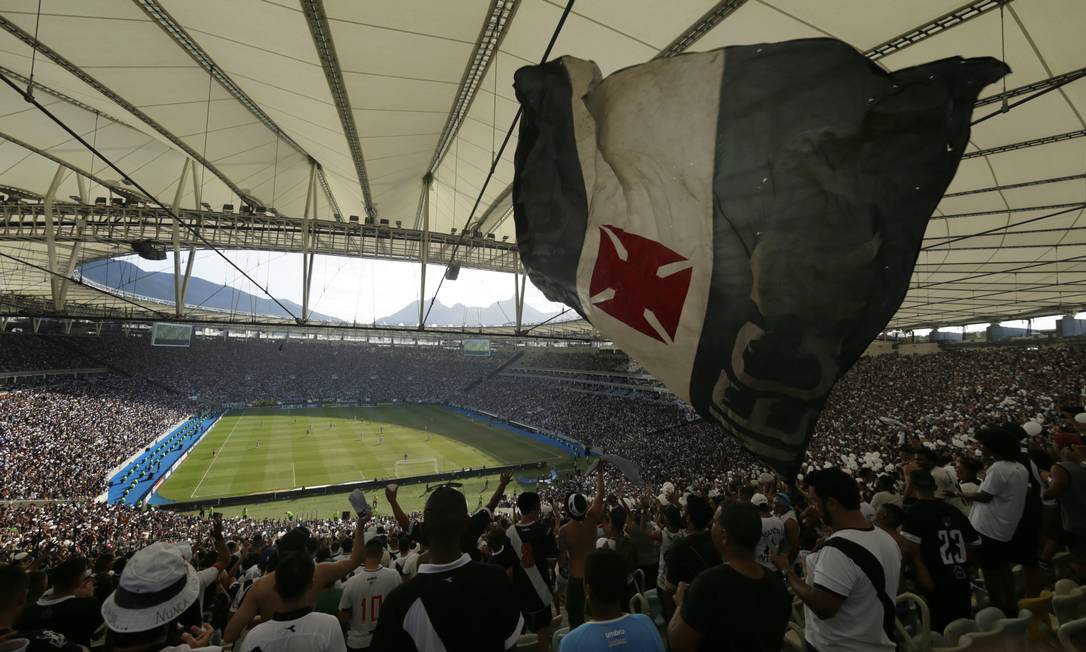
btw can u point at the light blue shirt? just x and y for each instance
(631, 633)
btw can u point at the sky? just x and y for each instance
(351, 289)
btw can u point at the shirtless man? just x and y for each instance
(575, 540)
(262, 602)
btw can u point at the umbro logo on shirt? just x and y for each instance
(446, 579)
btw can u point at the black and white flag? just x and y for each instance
(742, 221)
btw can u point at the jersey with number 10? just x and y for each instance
(363, 595)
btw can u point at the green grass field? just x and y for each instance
(259, 450)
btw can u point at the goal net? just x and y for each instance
(416, 466)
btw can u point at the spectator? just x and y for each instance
(296, 627)
(363, 595)
(739, 605)
(1068, 488)
(850, 605)
(69, 607)
(782, 507)
(669, 531)
(772, 537)
(155, 589)
(575, 540)
(13, 593)
(454, 603)
(997, 508)
(610, 628)
(262, 599)
(938, 540)
(530, 556)
(696, 552)
(885, 494)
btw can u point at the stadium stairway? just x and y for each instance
(497, 370)
(137, 479)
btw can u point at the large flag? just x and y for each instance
(743, 221)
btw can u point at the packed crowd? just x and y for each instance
(60, 441)
(574, 573)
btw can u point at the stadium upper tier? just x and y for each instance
(319, 111)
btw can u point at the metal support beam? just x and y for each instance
(178, 296)
(321, 33)
(700, 28)
(518, 299)
(1035, 142)
(937, 26)
(424, 255)
(51, 230)
(307, 240)
(84, 198)
(73, 258)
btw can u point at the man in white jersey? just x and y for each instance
(363, 595)
(850, 605)
(772, 532)
(296, 627)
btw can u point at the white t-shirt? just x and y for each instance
(411, 565)
(309, 632)
(770, 543)
(857, 625)
(363, 595)
(1007, 483)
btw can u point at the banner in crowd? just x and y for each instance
(742, 221)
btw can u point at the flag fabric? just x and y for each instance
(742, 221)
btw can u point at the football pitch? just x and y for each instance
(270, 449)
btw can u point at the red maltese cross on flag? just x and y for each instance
(640, 282)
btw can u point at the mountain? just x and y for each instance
(499, 313)
(125, 276)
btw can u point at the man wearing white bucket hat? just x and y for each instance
(156, 587)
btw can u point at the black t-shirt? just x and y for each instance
(943, 534)
(538, 546)
(41, 640)
(694, 554)
(735, 612)
(466, 605)
(76, 618)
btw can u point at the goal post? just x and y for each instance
(416, 466)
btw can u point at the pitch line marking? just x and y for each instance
(216, 458)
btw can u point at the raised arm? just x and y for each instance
(499, 491)
(397, 511)
(329, 571)
(595, 510)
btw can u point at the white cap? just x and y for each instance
(1032, 428)
(759, 500)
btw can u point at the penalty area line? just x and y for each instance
(215, 459)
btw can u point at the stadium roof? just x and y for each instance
(349, 105)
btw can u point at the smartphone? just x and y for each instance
(361, 507)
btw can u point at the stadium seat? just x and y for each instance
(989, 641)
(556, 638)
(1069, 606)
(966, 643)
(916, 629)
(527, 641)
(1072, 635)
(639, 604)
(793, 639)
(656, 609)
(959, 628)
(1065, 586)
(1061, 564)
(980, 597)
(1015, 630)
(988, 618)
(1040, 608)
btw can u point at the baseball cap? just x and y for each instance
(1080, 418)
(783, 500)
(1032, 428)
(758, 500)
(156, 587)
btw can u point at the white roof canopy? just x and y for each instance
(380, 93)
